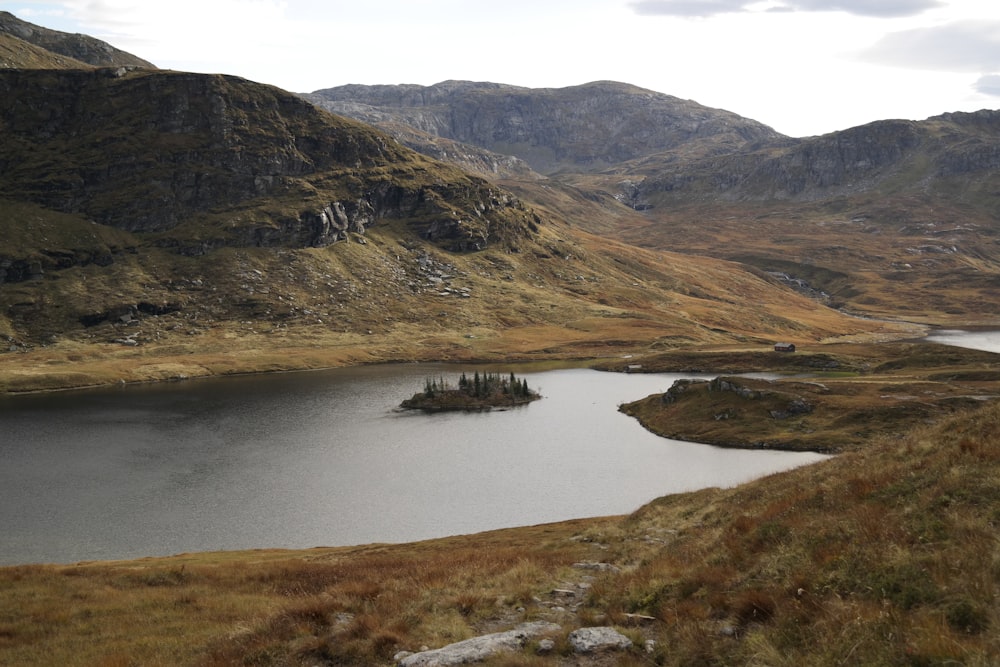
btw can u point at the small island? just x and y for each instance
(481, 393)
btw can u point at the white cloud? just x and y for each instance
(792, 64)
(873, 8)
(707, 8)
(962, 46)
(988, 84)
(703, 8)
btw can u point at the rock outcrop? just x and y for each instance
(477, 649)
(595, 640)
(480, 648)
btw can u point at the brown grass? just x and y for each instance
(858, 393)
(565, 295)
(864, 252)
(859, 559)
(356, 605)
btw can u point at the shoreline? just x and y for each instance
(70, 365)
(589, 363)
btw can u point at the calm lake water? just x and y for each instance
(311, 459)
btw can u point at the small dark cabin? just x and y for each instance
(784, 347)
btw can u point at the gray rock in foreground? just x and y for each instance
(479, 648)
(592, 640)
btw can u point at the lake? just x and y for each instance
(988, 340)
(323, 458)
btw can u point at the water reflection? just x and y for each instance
(988, 341)
(307, 459)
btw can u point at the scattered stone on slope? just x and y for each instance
(592, 640)
(480, 648)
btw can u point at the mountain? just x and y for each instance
(198, 163)
(579, 128)
(164, 224)
(886, 156)
(16, 53)
(893, 219)
(16, 34)
(468, 157)
(147, 151)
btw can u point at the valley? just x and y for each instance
(164, 226)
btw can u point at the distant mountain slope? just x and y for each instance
(580, 128)
(82, 48)
(893, 219)
(15, 53)
(884, 156)
(470, 158)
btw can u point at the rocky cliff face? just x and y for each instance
(580, 128)
(149, 152)
(974, 142)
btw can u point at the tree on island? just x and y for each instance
(483, 392)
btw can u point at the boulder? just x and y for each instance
(592, 640)
(480, 648)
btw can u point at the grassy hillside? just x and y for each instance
(899, 258)
(16, 53)
(165, 224)
(154, 314)
(886, 555)
(927, 253)
(893, 219)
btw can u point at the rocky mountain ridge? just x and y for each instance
(649, 145)
(79, 48)
(892, 219)
(579, 128)
(917, 154)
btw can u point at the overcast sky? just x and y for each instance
(804, 67)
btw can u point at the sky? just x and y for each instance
(804, 67)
